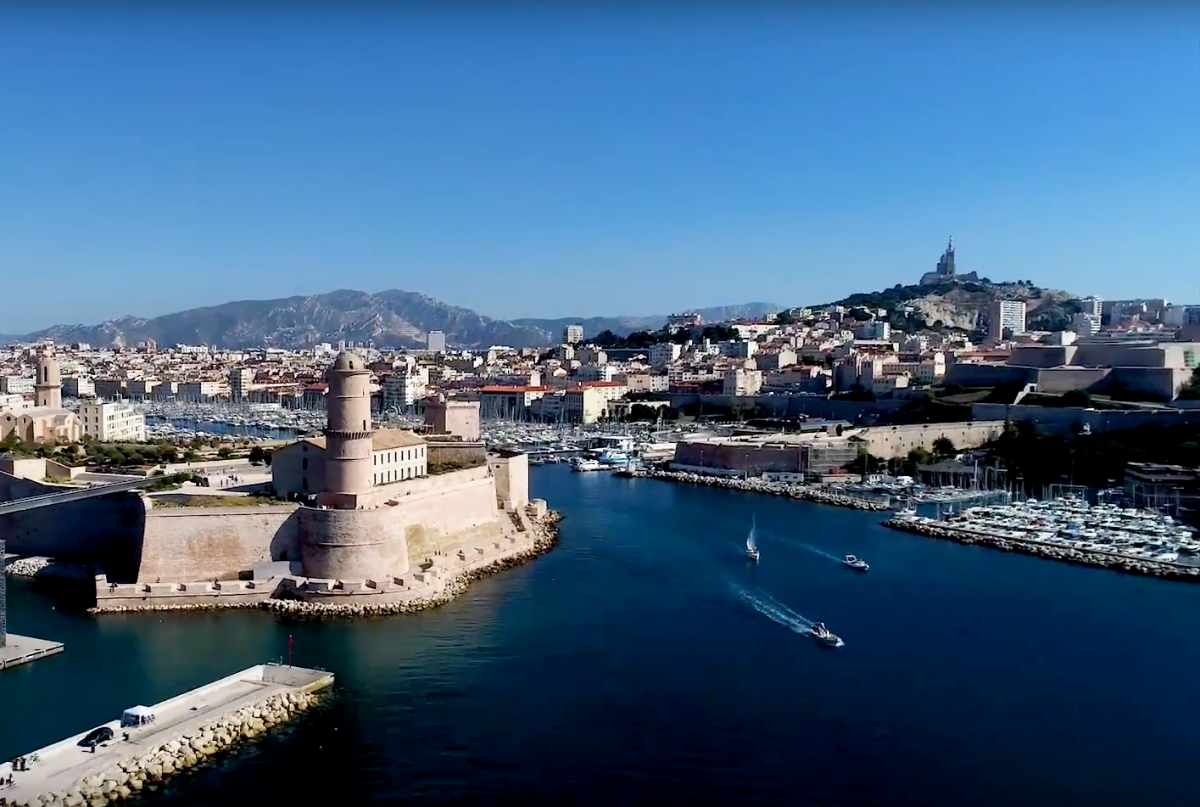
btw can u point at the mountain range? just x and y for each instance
(389, 318)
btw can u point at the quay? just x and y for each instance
(145, 746)
(1032, 546)
(808, 492)
(24, 649)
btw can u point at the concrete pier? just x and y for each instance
(185, 730)
(23, 649)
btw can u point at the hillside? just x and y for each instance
(389, 318)
(964, 305)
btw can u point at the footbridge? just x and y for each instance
(64, 496)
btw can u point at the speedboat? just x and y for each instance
(751, 545)
(858, 564)
(825, 636)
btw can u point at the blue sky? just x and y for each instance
(543, 162)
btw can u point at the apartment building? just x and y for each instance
(112, 422)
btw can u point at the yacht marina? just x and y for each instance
(1070, 529)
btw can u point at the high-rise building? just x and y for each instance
(1086, 323)
(111, 422)
(435, 342)
(1006, 317)
(240, 380)
(404, 387)
(1093, 306)
(572, 334)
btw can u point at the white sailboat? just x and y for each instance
(751, 545)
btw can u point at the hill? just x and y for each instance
(391, 318)
(623, 326)
(964, 304)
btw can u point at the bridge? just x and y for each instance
(62, 497)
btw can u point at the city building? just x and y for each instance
(1093, 306)
(405, 387)
(1006, 318)
(454, 418)
(740, 381)
(240, 381)
(872, 330)
(679, 322)
(189, 390)
(16, 385)
(78, 387)
(1086, 324)
(435, 342)
(572, 335)
(112, 422)
(663, 354)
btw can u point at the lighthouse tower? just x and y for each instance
(47, 390)
(347, 432)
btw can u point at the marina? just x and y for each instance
(146, 745)
(1070, 529)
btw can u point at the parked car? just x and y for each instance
(96, 737)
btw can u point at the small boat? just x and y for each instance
(858, 564)
(825, 636)
(751, 545)
(580, 464)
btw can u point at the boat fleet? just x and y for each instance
(818, 630)
(1074, 524)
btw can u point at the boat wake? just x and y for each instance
(773, 610)
(807, 548)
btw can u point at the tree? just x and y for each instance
(944, 447)
(1076, 397)
(190, 456)
(257, 455)
(267, 457)
(224, 452)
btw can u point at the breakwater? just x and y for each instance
(46, 568)
(807, 492)
(545, 539)
(138, 759)
(1104, 560)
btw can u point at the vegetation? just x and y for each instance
(454, 464)
(1191, 390)
(640, 413)
(866, 463)
(257, 456)
(1096, 460)
(643, 339)
(943, 448)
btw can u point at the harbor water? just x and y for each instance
(647, 659)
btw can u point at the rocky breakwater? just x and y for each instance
(543, 539)
(754, 485)
(1105, 560)
(40, 567)
(145, 772)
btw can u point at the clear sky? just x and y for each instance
(544, 162)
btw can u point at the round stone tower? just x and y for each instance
(348, 427)
(47, 390)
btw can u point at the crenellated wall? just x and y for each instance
(181, 544)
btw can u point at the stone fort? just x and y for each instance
(372, 518)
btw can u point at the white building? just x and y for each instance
(404, 387)
(1086, 324)
(396, 456)
(739, 381)
(1093, 306)
(663, 353)
(1006, 315)
(435, 342)
(572, 334)
(16, 385)
(110, 422)
(875, 329)
(240, 380)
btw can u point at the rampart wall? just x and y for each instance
(891, 442)
(181, 544)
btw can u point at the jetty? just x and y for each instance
(810, 493)
(147, 745)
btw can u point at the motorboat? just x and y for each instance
(858, 564)
(581, 464)
(825, 636)
(751, 544)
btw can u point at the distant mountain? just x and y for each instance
(388, 318)
(623, 326)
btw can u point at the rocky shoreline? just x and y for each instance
(547, 539)
(35, 566)
(806, 492)
(145, 772)
(1104, 560)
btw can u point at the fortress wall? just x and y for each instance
(352, 544)
(102, 530)
(182, 544)
(891, 442)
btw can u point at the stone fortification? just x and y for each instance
(214, 543)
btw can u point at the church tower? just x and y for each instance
(348, 428)
(47, 391)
